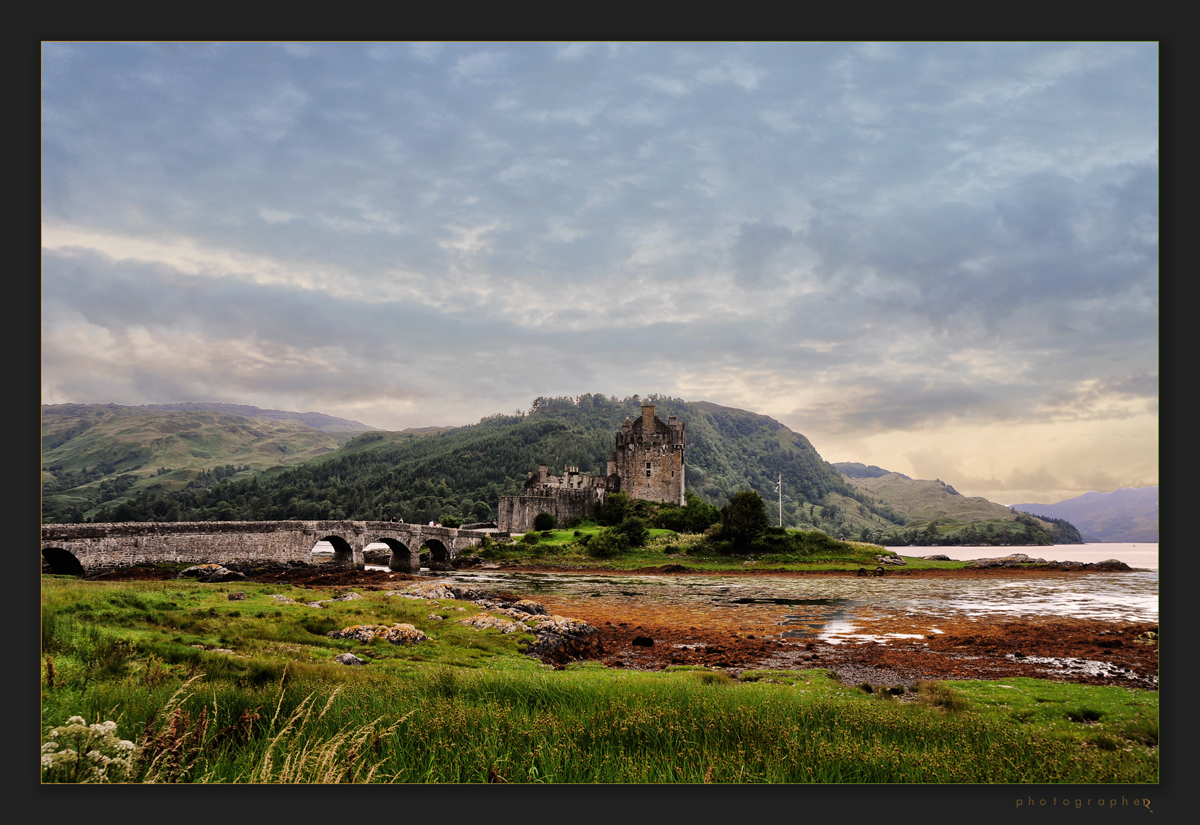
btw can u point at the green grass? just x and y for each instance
(563, 548)
(467, 705)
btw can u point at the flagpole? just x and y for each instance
(779, 489)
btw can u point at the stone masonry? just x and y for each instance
(90, 548)
(647, 464)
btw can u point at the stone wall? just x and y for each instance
(517, 513)
(105, 546)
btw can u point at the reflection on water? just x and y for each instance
(824, 599)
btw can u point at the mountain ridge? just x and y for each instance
(1128, 514)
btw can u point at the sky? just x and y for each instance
(937, 258)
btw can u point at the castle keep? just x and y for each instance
(647, 464)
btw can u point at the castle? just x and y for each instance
(647, 464)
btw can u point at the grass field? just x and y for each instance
(467, 706)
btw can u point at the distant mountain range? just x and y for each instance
(1126, 515)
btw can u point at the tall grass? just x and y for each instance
(449, 726)
(470, 708)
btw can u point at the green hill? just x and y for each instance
(933, 512)
(101, 462)
(462, 471)
(98, 453)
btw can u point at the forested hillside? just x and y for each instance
(460, 472)
(463, 471)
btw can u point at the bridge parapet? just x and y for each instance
(105, 546)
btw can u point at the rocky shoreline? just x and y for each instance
(647, 638)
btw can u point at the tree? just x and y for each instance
(545, 521)
(617, 507)
(743, 519)
(633, 530)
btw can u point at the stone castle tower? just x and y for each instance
(648, 464)
(648, 461)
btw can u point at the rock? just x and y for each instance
(237, 597)
(435, 617)
(397, 634)
(347, 597)
(890, 560)
(642, 641)
(198, 571)
(282, 599)
(937, 557)
(483, 621)
(529, 606)
(223, 574)
(348, 659)
(466, 561)
(561, 638)
(433, 591)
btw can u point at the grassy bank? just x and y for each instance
(467, 706)
(808, 550)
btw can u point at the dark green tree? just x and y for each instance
(545, 521)
(634, 531)
(743, 519)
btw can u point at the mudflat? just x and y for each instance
(887, 649)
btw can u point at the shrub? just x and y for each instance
(545, 521)
(450, 521)
(530, 538)
(606, 543)
(634, 531)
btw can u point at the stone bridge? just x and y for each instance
(81, 549)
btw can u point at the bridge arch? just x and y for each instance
(343, 552)
(439, 553)
(402, 559)
(62, 561)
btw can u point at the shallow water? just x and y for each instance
(1113, 597)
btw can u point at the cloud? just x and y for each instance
(869, 240)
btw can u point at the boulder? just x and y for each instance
(397, 634)
(239, 596)
(198, 571)
(433, 591)
(348, 659)
(560, 638)
(483, 621)
(223, 574)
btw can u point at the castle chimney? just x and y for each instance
(543, 471)
(647, 418)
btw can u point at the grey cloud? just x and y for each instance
(756, 246)
(881, 208)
